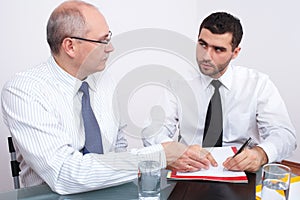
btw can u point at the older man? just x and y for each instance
(61, 117)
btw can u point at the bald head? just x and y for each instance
(70, 18)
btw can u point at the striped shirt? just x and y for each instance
(42, 109)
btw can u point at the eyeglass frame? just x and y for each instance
(106, 41)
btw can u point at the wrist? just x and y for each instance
(262, 155)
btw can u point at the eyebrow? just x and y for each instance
(215, 47)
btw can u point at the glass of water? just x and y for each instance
(149, 177)
(275, 182)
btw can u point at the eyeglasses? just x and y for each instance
(106, 41)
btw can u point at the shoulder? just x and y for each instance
(248, 79)
(249, 74)
(29, 80)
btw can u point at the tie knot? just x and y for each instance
(216, 83)
(84, 88)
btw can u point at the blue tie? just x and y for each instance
(93, 140)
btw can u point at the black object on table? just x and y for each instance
(209, 190)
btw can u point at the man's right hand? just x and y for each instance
(184, 158)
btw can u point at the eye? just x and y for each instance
(219, 49)
(203, 44)
(104, 41)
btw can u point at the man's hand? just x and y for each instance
(248, 160)
(187, 158)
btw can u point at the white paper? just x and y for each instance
(220, 154)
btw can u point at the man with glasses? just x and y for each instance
(61, 114)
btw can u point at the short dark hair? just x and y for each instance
(222, 22)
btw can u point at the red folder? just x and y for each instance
(214, 174)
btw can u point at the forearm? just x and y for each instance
(279, 144)
(77, 173)
(91, 172)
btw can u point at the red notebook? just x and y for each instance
(214, 173)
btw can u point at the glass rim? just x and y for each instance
(288, 169)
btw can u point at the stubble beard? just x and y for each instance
(213, 70)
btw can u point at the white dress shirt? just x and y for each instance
(42, 109)
(251, 104)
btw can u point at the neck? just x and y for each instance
(68, 66)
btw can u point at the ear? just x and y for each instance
(236, 52)
(69, 46)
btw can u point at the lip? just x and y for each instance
(105, 58)
(206, 66)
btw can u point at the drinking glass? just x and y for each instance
(149, 178)
(275, 182)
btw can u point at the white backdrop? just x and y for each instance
(271, 41)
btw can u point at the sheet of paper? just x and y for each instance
(220, 154)
(214, 173)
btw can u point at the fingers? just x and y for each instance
(181, 166)
(247, 160)
(199, 164)
(205, 154)
(191, 158)
(237, 163)
(174, 151)
(186, 168)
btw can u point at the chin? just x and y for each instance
(205, 72)
(101, 68)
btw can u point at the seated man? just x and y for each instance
(229, 103)
(62, 118)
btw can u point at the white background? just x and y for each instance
(270, 44)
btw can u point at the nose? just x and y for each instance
(207, 54)
(204, 52)
(109, 47)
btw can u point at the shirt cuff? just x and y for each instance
(154, 152)
(270, 150)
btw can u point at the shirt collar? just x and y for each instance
(92, 81)
(60, 74)
(206, 80)
(69, 83)
(225, 79)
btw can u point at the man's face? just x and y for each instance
(94, 55)
(214, 53)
